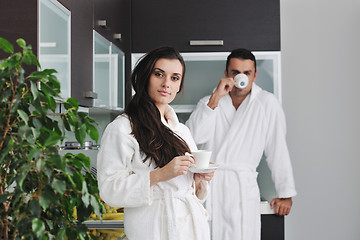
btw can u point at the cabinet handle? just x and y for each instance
(117, 36)
(102, 23)
(206, 42)
(90, 94)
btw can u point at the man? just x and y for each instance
(239, 125)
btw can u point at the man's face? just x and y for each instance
(245, 66)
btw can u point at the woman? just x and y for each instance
(143, 162)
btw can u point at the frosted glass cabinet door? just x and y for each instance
(102, 58)
(118, 76)
(204, 70)
(54, 42)
(109, 74)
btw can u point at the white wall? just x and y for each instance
(321, 99)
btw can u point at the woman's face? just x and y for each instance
(164, 82)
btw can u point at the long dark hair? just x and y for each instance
(159, 143)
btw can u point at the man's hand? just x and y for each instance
(282, 206)
(224, 87)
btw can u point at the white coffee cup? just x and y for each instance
(241, 80)
(202, 158)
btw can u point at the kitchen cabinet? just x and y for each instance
(254, 25)
(112, 21)
(272, 227)
(19, 20)
(54, 42)
(22, 19)
(109, 76)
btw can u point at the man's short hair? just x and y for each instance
(241, 53)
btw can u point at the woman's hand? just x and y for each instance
(202, 176)
(177, 166)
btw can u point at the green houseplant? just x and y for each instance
(39, 187)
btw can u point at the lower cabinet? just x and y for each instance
(272, 227)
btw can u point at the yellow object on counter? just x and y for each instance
(113, 216)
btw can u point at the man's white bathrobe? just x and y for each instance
(238, 139)
(166, 211)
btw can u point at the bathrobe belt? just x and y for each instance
(189, 199)
(243, 176)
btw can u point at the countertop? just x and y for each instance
(119, 224)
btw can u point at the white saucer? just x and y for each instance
(211, 168)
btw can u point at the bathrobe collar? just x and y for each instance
(172, 120)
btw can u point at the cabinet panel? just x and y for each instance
(19, 20)
(239, 23)
(117, 14)
(81, 49)
(272, 227)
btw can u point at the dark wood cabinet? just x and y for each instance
(82, 51)
(272, 227)
(238, 23)
(19, 20)
(112, 20)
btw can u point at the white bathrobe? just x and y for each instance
(239, 138)
(166, 211)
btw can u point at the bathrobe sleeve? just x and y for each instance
(202, 122)
(276, 151)
(120, 182)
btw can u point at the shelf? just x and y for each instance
(104, 224)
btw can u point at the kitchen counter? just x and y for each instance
(119, 224)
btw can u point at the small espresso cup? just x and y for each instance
(202, 158)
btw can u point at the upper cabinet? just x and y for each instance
(61, 35)
(108, 80)
(112, 21)
(206, 25)
(54, 42)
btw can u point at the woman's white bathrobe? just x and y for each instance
(239, 138)
(166, 211)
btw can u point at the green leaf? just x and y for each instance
(71, 103)
(59, 185)
(93, 132)
(6, 45)
(36, 132)
(34, 90)
(46, 198)
(38, 227)
(35, 207)
(65, 122)
(23, 116)
(35, 153)
(36, 122)
(52, 139)
(85, 160)
(21, 42)
(61, 234)
(80, 134)
(97, 206)
(85, 194)
(25, 133)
